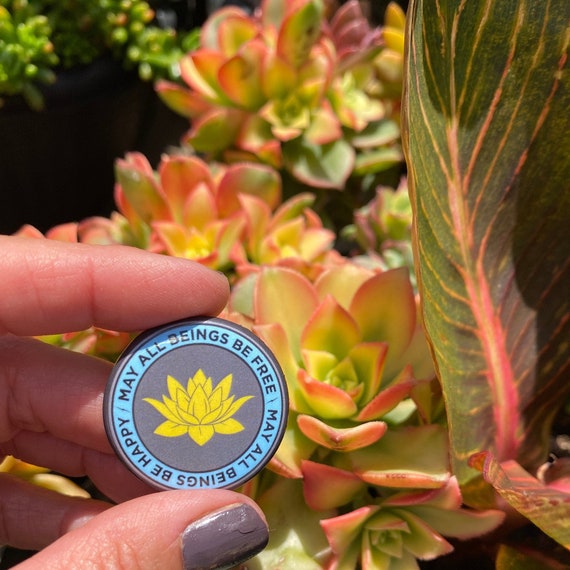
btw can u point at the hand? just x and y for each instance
(51, 413)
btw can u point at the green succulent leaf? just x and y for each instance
(321, 166)
(299, 31)
(375, 134)
(215, 131)
(371, 162)
(142, 191)
(411, 457)
(296, 539)
(487, 140)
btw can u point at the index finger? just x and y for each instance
(48, 286)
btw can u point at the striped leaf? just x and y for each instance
(547, 507)
(486, 124)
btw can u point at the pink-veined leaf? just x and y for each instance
(526, 558)
(546, 507)
(487, 139)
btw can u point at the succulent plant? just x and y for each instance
(26, 53)
(187, 208)
(38, 38)
(395, 531)
(224, 216)
(383, 228)
(289, 88)
(350, 347)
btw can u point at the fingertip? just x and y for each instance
(224, 538)
(50, 287)
(221, 285)
(170, 529)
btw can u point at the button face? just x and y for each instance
(196, 404)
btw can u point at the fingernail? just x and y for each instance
(223, 539)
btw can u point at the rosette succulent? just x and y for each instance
(398, 529)
(291, 236)
(383, 228)
(287, 87)
(348, 518)
(350, 347)
(186, 209)
(223, 216)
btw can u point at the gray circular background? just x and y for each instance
(182, 363)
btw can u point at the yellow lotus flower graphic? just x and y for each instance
(200, 410)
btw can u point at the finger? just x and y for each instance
(52, 414)
(32, 517)
(49, 287)
(106, 471)
(173, 529)
(47, 389)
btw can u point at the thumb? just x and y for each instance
(188, 530)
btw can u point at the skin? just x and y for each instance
(51, 398)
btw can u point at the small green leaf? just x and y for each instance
(374, 161)
(215, 131)
(299, 31)
(325, 166)
(404, 458)
(375, 134)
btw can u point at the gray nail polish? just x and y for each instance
(223, 539)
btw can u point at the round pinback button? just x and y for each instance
(200, 403)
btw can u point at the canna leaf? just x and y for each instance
(547, 508)
(511, 558)
(487, 140)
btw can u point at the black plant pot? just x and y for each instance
(57, 165)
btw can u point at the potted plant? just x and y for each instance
(425, 399)
(76, 91)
